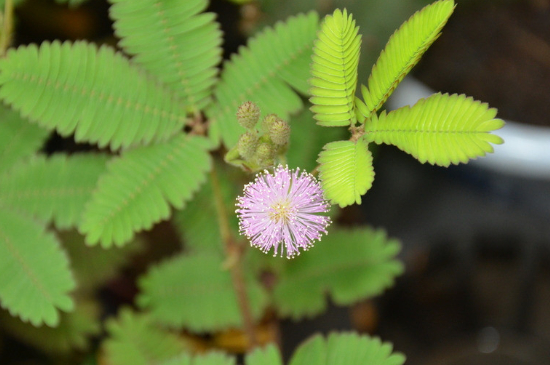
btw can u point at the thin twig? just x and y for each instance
(234, 252)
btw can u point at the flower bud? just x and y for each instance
(268, 121)
(264, 153)
(247, 145)
(248, 114)
(279, 132)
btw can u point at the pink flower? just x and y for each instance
(280, 208)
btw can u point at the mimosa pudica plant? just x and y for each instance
(161, 115)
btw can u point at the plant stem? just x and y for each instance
(7, 27)
(234, 252)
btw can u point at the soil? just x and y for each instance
(498, 52)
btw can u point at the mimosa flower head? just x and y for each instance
(279, 210)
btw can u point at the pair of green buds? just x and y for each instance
(259, 150)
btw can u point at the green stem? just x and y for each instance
(234, 252)
(7, 27)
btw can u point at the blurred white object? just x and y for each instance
(526, 148)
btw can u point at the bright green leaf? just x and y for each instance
(265, 71)
(139, 187)
(349, 265)
(440, 130)
(53, 189)
(173, 42)
(18, 138)
(210, 358)
(334, 70)
(346, 349)
(268, 355)
(404, 49)
(134, 339)
(196, 292)
(94, 93)
(345, 171)
(34, 271)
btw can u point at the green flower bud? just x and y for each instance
(268, 121)
(248, 114)
(264, 153)
(279, 132)
(247, 145)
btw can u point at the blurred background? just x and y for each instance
(475, 238)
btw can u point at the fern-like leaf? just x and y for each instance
(93, 266)
(96, 93)
(196, 292)
(264, 72)
(346, 349)
(74, 331)
(172, 42)
(53, 189)
(440, 130)
(33, 286)
(268, 355)
(134, 339)
(404, 49)
(197, 223)
(18, 138)
(140, 186)
(346, 171)
(334, 70)
(350, 265)
(210, 358)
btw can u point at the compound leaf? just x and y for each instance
(196, 292)
(139, 187)
(440, 130)
(334, 70)
(345, 171)
(53, 189)
(35, 278)
(198, 222)
(349, 265)
(268, 355)
(135, 339)
(346, 349)
(18, 138)
(403, 50)
(265, 71)
(73, 332)
(173, 42)
(95, 93)
(93, 266)
(210, 358)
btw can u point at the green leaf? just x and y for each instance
(198, 222)
(196, 292)
(334, 70)
(307, 139)
(268, 355)
(18, 138)
(172, 42)
(210, 358)
(52, 189)
(94, 93)
(71, 3)
(441, 129)
(345, 171)
(349, 265)
(140, 186)
(34, 271)
(264, 72)
(404, 49)
(134, 339)
(346, 349)
(74, 331)
(93, 266)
